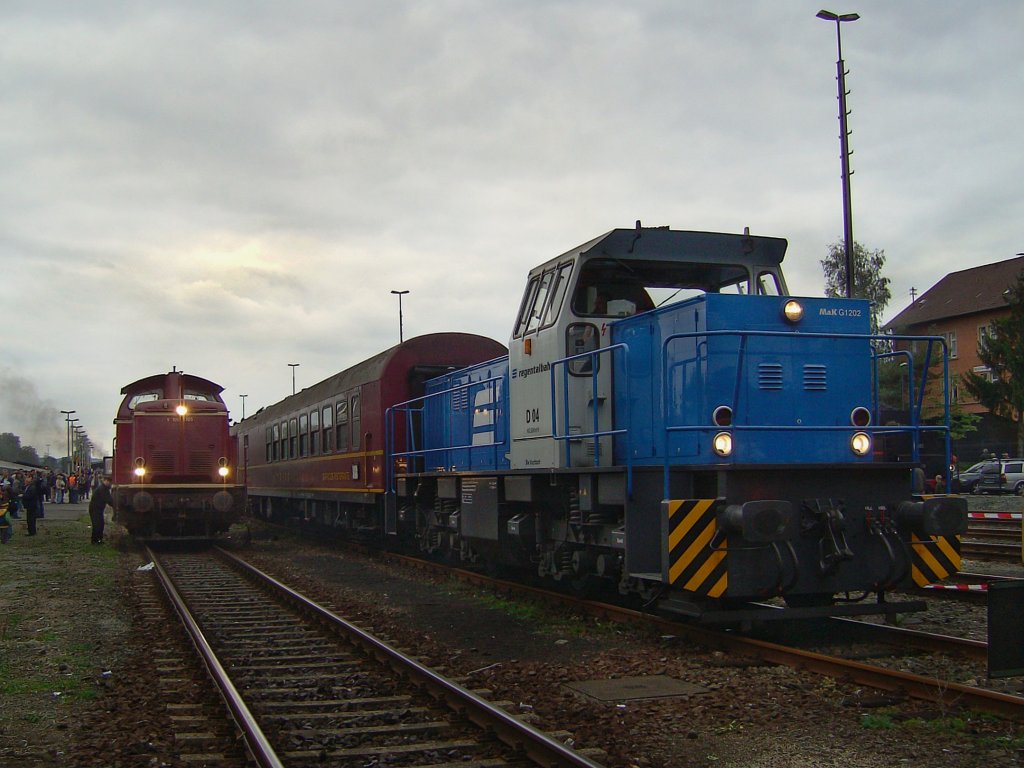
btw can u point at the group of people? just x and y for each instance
(30, 491)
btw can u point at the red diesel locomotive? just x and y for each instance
(175, 459)
(318, 455)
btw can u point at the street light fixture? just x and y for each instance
(400, 294)
(293, 366)
(844, 144)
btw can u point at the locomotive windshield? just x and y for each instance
(617, 288)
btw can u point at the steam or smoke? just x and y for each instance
(38, 422)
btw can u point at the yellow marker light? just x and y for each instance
(793, 311)
(722, 444)
(860, 444)
(181, 410)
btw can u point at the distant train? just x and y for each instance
(175, 473)
(668, 422)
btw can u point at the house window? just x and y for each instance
(951, 341)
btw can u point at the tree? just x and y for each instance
(1002, 352)
(868, 282)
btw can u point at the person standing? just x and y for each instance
(32, 502)
(101, 497)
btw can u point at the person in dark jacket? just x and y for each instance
(32, 501)
(101, 497)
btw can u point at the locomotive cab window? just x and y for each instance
(619, 288)
(144, 397)
(543, 299)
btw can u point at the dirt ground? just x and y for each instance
(76, 681)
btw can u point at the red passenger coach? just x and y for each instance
(318, 456)
(175, 459)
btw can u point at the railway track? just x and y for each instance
(903, 684)
(993, 536)
(306, 687)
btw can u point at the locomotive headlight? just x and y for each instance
(722, 416)
(722, 444)
(860, 444)
(793, 311)
(222, 471)
(181, 410)
(140, 467)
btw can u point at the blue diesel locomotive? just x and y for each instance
(671, 422)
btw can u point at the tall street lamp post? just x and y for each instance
(400, 294)
(293, 366)
(844, 143)
(67, 418)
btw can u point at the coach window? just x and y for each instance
(314, 432)
(277, 439)
(303, 435)
(271, 445)
(328, 428)
(293, 438)
(354, 412)
(284, 441)
(342, 429)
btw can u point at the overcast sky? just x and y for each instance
(229, 187)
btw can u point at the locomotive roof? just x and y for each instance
(664, 244)
(157, 382)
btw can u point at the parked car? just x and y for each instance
(968, 479)
(1003, 476)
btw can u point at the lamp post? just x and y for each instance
(71, 443)
(400, 294)
(245, 396)
(844, 143)
(67, 418)
(293, 366)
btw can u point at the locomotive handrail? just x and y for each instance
(598, 433)
(408, 408)
(915, 429)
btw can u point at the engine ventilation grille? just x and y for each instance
(815, 378)
(200, 462)
(769, 376)
(162, 462)
(460, 400)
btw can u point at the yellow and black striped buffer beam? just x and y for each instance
(934, 558)
(691, 563)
